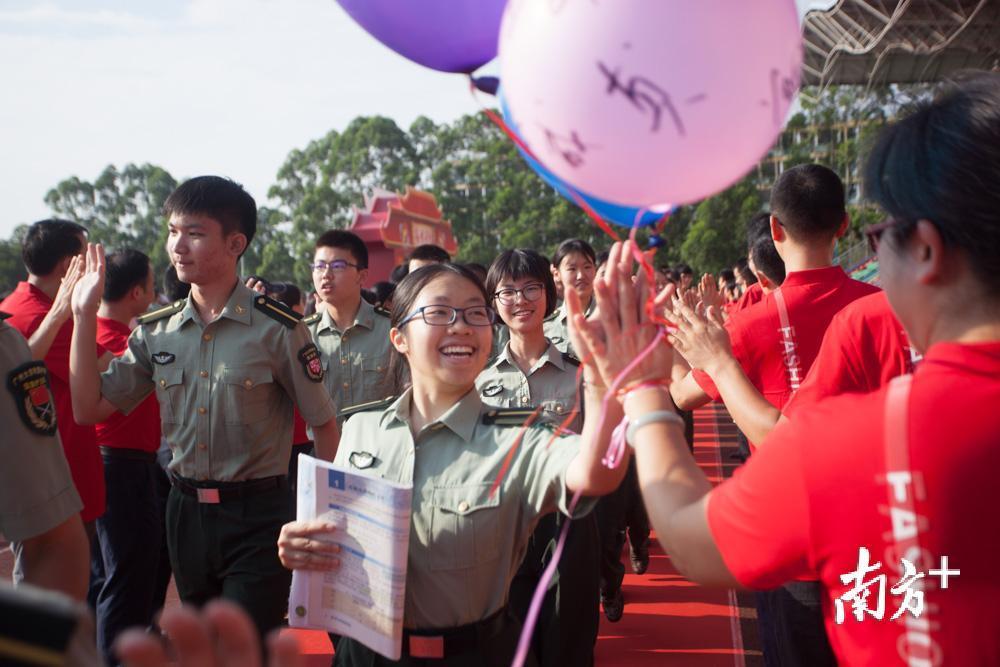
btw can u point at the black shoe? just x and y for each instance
(639, 557)
(614, 606)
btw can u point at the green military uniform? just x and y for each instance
(465, 542)
(355, 361)
(226, 390)
(568, 623)
(556, 326)
(36, 489)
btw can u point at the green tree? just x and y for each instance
(12, 269)
(717, 235)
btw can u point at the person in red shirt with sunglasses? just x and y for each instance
(882, 495)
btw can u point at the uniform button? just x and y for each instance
(163, 383)
(378, 368)
(207, 337)
(204, 374)
(346, 385)
(463, 506)
(559, 409)
(202, 411)
(524, 400)
(343, 360)
(202, 446)
(248, 383)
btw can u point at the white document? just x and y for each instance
(363, 598)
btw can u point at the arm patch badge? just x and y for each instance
(29, 383)
(311, 363)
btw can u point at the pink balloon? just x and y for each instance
(646, 101)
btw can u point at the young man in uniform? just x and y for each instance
(39, 505)
(774, 342)
(226, 365)
(130, 533)
(351, 334)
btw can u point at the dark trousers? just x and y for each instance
(620, 514)
(129, 537)
(495, 649)
(230, 549)
(569, 617)
(790, 622)
(293, 464)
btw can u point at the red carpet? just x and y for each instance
(668, 620)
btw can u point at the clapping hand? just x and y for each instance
(89, 288)
(701, 338)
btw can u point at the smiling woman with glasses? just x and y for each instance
(482, 480)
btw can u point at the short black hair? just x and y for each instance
(126, 268)
(767, 260)
(603, 257)
(173, 288)
(808, 200)
(478, 269)
(727, 275)
(684, 270)
(218, 198)
(49, 242)
(430, 253)
(570, 246)
(383, 291)
(742, 270)
(757, 226)
(522, 263)
(942, 164)
(349, 241)
(399, 272)
(287, 293)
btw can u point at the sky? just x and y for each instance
(224, 87)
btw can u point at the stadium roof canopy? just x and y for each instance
(872, 42)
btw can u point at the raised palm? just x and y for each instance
(90, 287)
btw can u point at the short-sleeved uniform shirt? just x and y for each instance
(551, 384)
(28, 306)
(36, 489)
(140, 429)
(556, 326)
(774, 355)
(864, 347)
(830, 481)
(465, 544)
(752, 295)
(225, 388)
(356, 361)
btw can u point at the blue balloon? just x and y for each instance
(616, 213)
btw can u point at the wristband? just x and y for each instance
(634, 425)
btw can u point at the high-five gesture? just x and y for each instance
(622, 329)
(90, 287)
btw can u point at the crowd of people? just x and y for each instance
(499, 393)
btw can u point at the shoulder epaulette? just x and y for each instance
(507, 416)
(160, 313)
(312, 319)
(380, 404)
(382, 311)
(277, 311)
(570, 359)
(553, 316)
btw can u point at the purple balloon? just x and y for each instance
(446, 35)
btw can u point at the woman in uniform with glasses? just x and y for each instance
(530, 372)
(481, 479)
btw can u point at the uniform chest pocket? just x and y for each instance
(466, 526)
(170, 392)
(374, 372)
(248, 394)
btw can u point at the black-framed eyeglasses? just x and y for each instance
(874, 232)
(336, 266)
(442, 316)
(530, 292)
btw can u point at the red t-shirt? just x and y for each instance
(774, 355)
(822, 488)
(140, 429)
(28, 306)
(753, 295)
(865, 346)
